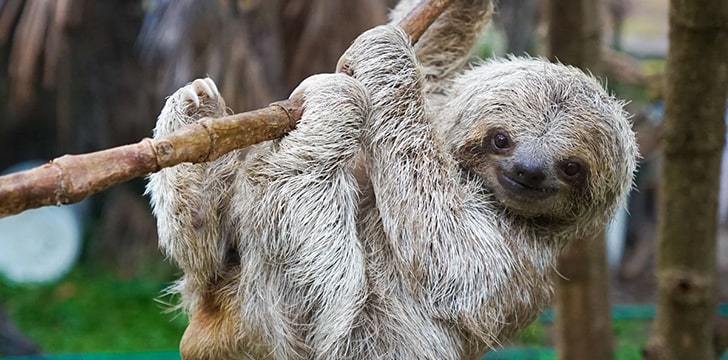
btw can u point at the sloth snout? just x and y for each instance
(531, 174)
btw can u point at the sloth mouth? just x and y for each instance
(523, 192)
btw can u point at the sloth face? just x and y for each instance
(528, 176)
(545, 139)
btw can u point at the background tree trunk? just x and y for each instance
(519, 20)
(583, 323)
(582, 294)
(693, 138)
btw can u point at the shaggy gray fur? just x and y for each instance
(442, 251)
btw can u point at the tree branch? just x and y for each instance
(422, 16)
(71, 178)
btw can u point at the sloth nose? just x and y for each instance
(529, 173)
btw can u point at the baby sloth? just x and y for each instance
(475, 180)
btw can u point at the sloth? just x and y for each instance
(471, 181)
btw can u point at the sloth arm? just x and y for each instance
(443, 49)
(302, 263)
(443, 237)
(190, 201)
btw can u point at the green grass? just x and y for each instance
(629, 338)
(92, 312)
(535, 335)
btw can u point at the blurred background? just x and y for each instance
(82, 75)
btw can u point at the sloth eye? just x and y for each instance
(501, 141)
(573, 169)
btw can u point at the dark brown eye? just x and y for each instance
(571, 168)
(501, 141)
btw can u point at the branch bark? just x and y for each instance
(71, 178)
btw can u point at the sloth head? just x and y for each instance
(546, 139)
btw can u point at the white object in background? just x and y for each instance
(39, 245)
(616, 236)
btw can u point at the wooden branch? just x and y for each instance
(71, 178)
(422, 16)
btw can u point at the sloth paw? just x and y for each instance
(201, 98)
(190, 103)
(335, 106)
(312, 84)
(373, 49)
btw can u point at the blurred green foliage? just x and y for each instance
(629, 335)
(93, 312)
(101, 317)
